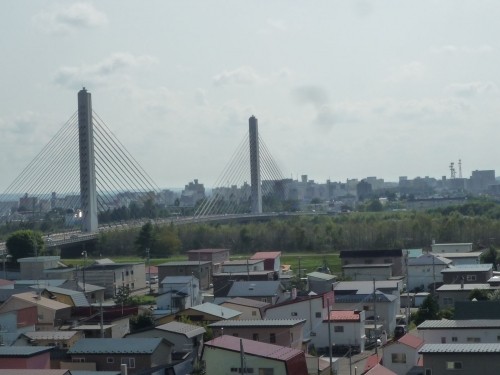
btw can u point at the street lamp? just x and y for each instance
(84, 254)
(149, 271)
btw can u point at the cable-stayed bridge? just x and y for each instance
(85, 173)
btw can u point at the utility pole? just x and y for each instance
(329, 336)
(375, 316)
(433, 274)
(149, 271)
(84, 254)
(407, 292)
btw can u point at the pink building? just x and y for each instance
(25, 357)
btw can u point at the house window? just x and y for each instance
(272, 338)
(294, 313)
(473, 339)
(235, 334)
(453, 365)
(338, 329)
(368, 261)
(247, 370)
(454, 339)
(130, 362)
(254, 313)
(398, 357)
(428, 371)
(266, 371)
(471, 277)
(387, 261)
(443, 340)
(498, 338)
(318, 315)
(110, 360)
(77, 359)
(255, 337)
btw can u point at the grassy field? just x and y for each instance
(308, 262)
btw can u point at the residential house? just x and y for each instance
(320, 282)
(138, 354)
(425, 270)
(272, 260)
(16, 322)
(312, 308)
(249, 308)
(223, 355)
(112, 276)
(282, 332)
(69, 297)
(93, 293)
(184, 337)
(242, 266)
(215, 256)
(402, 355)
(270, 292)
(451, 248)
(445, 359)
(381, 256)
(178, 293)
(222, 282)
(208, 313)
(359, 295)
(202, 270)
(59, 339)
(460, 331)
(457, 259)
(50, 313)
(468, 274)
(448, 294)
(367, 272)
(347, 330)
(25, 357)
(34, 267)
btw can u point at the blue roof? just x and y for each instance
(116, 346)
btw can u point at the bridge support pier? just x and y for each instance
(255, 182)
(88, 191)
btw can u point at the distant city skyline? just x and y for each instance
(341, 89)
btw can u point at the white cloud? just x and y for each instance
(311, 94)
(75, 16)
(472, 89)
(244, 75)
(412, 71)
(453, 49)
(98, 74)
(277, 24)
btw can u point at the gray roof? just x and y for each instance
(247, 302)
(259, 323)
(216, 310)
(116, 346)
(254, 288)
(188, 330)
(178, 279)
(23, 351)
(321, 275)
(78, 298)
(458, 287)
(460, 348)
(243, 262)
(363, 265)
(50, 335)
(472, 254)
(468, 268)
(366, 287)
(429, 260)
(460, 324)
(352, 298)
(184, 263)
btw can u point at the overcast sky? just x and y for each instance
(342, 89)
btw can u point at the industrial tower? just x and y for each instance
(253, 129)
(88, 194)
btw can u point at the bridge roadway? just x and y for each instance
(65, 238)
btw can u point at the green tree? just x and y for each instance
(122, 296)
(490, 256)
(166, 242)
(429, 310)
(25, 243)
(141, 321)
(479, 295)
(146, 239)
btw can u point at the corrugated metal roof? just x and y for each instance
(266, 255)
(429, 260)
(254, 288)
(241, 301)
(460, 348)
(41, 301)
(469, 287)
(460, 324)
(321, 275)
(188, 330)
(216, 310)
(50, 335)
(116, 346)
(77, 297)
(411, 340)
(344, 316)
(257, 348)
(23, 351)
(468, 268)
(259, 323)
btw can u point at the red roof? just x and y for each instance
(266, 255)
(261, 349)
(380, 370)
(412, 341)
(371, 362)
(344, 316)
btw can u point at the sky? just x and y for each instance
(341, 89)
